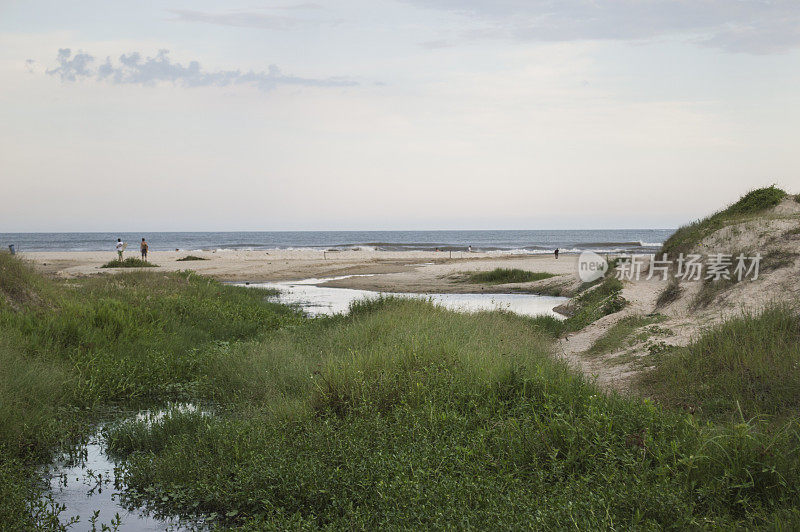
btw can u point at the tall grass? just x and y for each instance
(745, 367)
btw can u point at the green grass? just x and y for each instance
(130, 262)
(506, 275)
(70, 349)
(616, 336)
(405, 416)
(400, 414)
(745, 367)
(190, 258)
(752, 203)
(592, 304)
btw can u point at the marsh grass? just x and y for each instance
(507, 276)
(753, 203)
(745, 367)
(130, 262)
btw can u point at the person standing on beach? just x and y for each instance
(143, 248)
(120, 246)
(556, 253)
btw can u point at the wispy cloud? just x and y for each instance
(252, 18)
(133, 69)
(244, 19)
(751, 26)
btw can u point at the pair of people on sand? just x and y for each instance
(143, 247)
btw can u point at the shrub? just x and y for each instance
(130, 262)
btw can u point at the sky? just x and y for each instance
(376, 114)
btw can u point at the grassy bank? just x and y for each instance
(508, 275)
(400, 414)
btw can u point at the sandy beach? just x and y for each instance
(389, 271)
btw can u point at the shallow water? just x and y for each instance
(321, 300)
(87, 483)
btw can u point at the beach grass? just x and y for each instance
(130, 262)
(595, 302)
(744, 368)
(399, 414)
(190, 258)
(507, 276)
(751, 204)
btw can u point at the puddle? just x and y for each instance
(321, 300)
(86, 484)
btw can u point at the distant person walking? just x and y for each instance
(120, 247)
(143, 247)
(556, 253)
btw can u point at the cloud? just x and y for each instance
(249, 19)
(133, 69)
(245, 19)
(751, 26)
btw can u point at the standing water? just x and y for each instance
(86, 484)
(318, 300)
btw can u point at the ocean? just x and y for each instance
(500, 242)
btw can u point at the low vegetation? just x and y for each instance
(130, 262)
(601, 300)
(751, 204)
(506, 276)
(622, 331)
(399, 414)
(190, 258)
(671, 293)
(775, 259)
